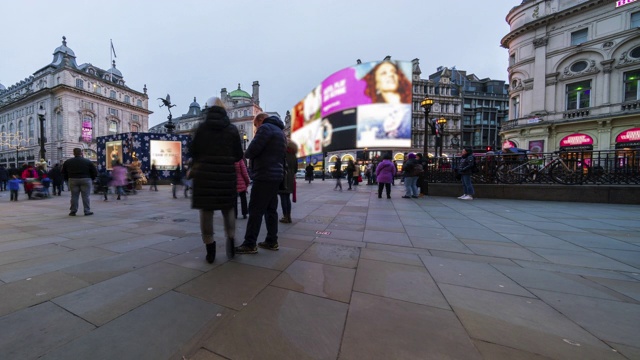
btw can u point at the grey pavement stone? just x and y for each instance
(338, 255)
(398, 281)
(471, 274)
(276, 260)
(156, 330)
(107, 300)
(282, 324)
(134, 243)
(391, 256)
(543, 241)
(494, 351)
(549, 227)
(453, 244)
(348, 243)
(571, 269)
(399, 249)
(38, 289)
(477, 234)
(595, 241)
(106, 268)
(322, 280)
(384, 225)
(471, 257)
(630, 288)
(631, 258)
(386, 237)
(220, 285)
(608, 320)
(383, 328)
(524, 324)
(30, 241)
(582, 258)
(505, 250)
(204, 354)
(344, 234)
(97, 239)
(29, 268)
(18, 255)
(38, 329)
(451, 223)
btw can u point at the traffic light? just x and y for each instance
(489, 148)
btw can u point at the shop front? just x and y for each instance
(577, 147)
(628, 149)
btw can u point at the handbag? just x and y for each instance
(359, 178)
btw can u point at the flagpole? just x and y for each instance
(111, 60)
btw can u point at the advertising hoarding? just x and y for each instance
(166, 155)
(113, 149)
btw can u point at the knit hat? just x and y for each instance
(411, 156)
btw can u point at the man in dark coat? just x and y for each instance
(267, 154)
(4, 178)
(215, 148)
(79, 174)
(56, 178)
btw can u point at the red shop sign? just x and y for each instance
(508, 144)
(629, 135)
(576, 140)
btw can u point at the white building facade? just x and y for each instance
(574, 72)
(77, 102)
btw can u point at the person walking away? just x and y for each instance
(4, 178)
(103, 182)
(357, 175)
(290, 179)
(14, 187)
(215, 149)
(385, 171)
(395, 165)
(421, 178)
(338, 175)
(119, 178)
(56, 179)
(79, 173)
(465, 169)
(153, 177)
(351, 167)
(187, 182)
(308, 173)
(411, 170)
(176, 179)
(242, 184)
(266, 152)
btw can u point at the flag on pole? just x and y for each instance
(112, 49)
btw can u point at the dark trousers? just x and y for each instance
(14, 195)
(3, 185)
(349, 180)
(285, 203)
(243, 204)
(57, 188)
(262, 202)
(384, 185)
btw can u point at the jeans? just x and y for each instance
(350, 180)
(79, 186)
(467, 187)
(206, 224)
(263, 202)
(410, 186)
(285, 201)
(338, 183)
(243, 203)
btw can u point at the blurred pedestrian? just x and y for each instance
(290, 187)
(385, 171)
(119, 178)
(153, 178)
(14, 187)
(338, 174)
(215, 149)
(411, 170)
(176, 180)
(104, 179)
(56, 179)
(242, 184)
(351, 167)
(308, 173)
(465, 169)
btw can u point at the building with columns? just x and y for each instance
(72, 104)
(574, 71)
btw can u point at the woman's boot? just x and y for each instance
(231, 248)
(211, 252)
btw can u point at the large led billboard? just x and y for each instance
(166, 155)
(366, 105)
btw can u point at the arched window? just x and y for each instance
(3, 140)
(11, 131)
(21, 128)
(32, 140)
(113, 126)
(134, 128)
(59, 125)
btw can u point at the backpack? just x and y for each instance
(417, 170)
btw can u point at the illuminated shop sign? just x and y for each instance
(629, 135)
(624, 2)
(87, 130)
(508, 144)
(576, 140)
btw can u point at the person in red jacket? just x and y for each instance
(242, 184)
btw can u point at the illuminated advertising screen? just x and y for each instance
(166, 155)
(114, 152)
(366, 105)
(87, 131)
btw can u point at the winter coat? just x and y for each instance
(385, 172)
(79, 168)
(215, 149)
(119, 176)
(56, 175)
(308, 172)
(242, 176)
(292, 167)
(466, 164)
(408, 167)
(4, 174)
(266, 151)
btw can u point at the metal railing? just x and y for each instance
(607, 167)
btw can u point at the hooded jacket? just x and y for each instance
(215, 149)
(267, 151)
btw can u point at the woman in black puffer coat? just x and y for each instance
(215, 148)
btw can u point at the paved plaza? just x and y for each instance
(356, 277)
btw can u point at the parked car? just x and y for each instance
(300, 174)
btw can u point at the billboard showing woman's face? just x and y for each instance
(376, 99)
(114, 153)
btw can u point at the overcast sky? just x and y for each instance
(193, 48)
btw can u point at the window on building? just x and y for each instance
(578, 37)
(135, 117)
(578, 95)
(112, 94)
(113, 126)
(127, 99)
(31, 130)
(631, 88)
(139, 103)
(515, 107)
(635, 19)
(134, 128)
(79, 83)
(512, 59)
(21, 128)
(113, 111)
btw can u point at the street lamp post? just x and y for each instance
(244, 141)
(441, 122)
(426, 105)
(41, 116)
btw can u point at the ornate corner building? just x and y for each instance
(65, 105)
(574, 73)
